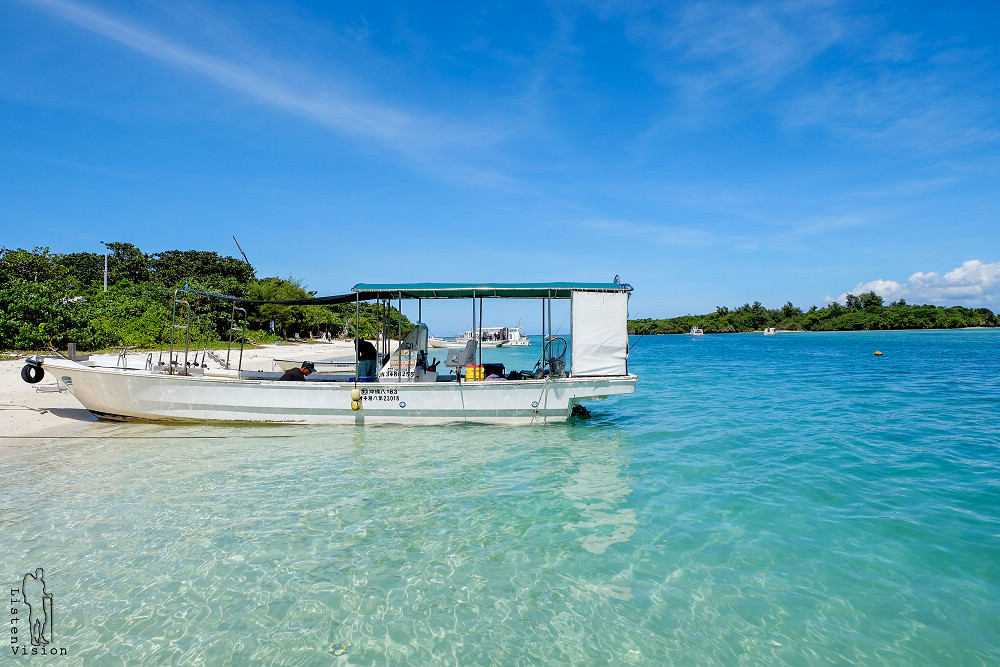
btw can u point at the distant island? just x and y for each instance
(862, 312)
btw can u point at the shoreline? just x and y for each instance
(793, 331)
(31, 412)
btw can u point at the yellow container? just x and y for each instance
(470, 373)
(480, 372)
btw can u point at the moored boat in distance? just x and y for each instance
(444, 343)
(493, 337)
(401, 387)
(517, 338)
(697, 331)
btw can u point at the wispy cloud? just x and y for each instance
(323, 104)
(819, 64)
(972, 284)
(666, 235)
(801, 231)
(753, 45)
(703, 48)
(923, 110)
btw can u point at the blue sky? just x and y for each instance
(709, 153)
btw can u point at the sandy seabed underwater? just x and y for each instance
(760, 500)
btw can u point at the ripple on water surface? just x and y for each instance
(762, 500)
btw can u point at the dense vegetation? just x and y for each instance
(862, 312)
(54, 299)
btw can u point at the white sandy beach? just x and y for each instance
(30, 411)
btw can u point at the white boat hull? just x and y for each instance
(223, 396)
(442, 344)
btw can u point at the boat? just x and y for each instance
(696, 331)
(402, 387)
(443, 343)
(517, 338)
(493, 337)
(770, 331)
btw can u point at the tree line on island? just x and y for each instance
(51, 299)
(861, 312)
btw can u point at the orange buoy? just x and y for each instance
(876, 354)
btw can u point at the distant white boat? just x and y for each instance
(443, 343)
(695, 331)
(492, 337)
(770, 331)
(516, 338)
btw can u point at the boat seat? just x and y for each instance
(462, 358)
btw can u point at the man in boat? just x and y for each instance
(367, 358)
(300, 373)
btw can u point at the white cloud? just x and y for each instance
(974, 284)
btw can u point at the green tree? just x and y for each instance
(871, 300)
(35, 314)
(37, 266)
(127, 262)
(174, 268)
(83, 270)
(789, 311)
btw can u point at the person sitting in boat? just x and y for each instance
(300, 373)
(367, 358)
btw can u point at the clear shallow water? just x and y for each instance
(761, 500)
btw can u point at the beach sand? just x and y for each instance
(32, 411)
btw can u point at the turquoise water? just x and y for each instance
(760, 500)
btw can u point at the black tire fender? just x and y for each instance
(32, 373)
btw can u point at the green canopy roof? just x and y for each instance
(467, 290)
(365, 291)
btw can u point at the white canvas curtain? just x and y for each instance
(600, 333)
